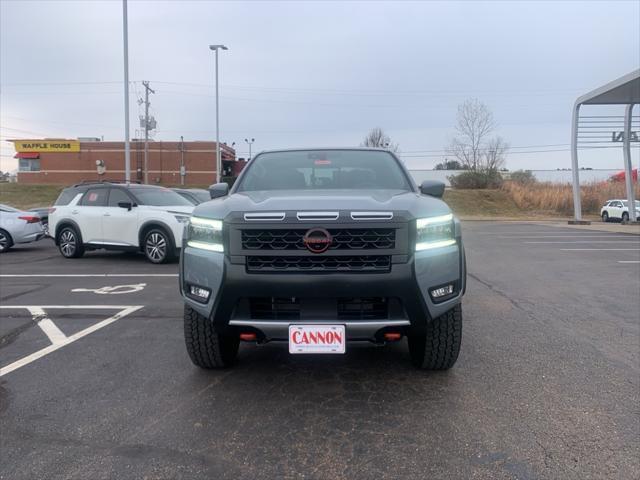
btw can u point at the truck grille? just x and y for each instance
(274, 308)
(352, 308)
(362, 308)
(343, 239)
(360, 263)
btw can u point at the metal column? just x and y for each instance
(127, 150)
(628, 167)
(218, 160)
(577, 205)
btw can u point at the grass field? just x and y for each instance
(28, 196)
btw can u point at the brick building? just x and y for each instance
(65, 162)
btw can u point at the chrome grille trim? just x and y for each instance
(264, 216)
(317, 215)
(371, 215)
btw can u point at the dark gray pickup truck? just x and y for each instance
(318, 249)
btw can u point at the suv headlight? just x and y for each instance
(435, 232)
(205, 233)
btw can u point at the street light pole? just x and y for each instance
(127, 150)
(215, 48)
(250, 143)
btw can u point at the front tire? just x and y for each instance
(438, 348)
(158, 246)
(605, 217)
(206, 347)
(69, 243)
(5, 241)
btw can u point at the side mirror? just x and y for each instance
(127, 205)
(218, 190)
(433, 188)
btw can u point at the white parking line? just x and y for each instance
(588, 241)
(101, 275)
(628, 261)
(48, 327)
(123, 311)
(569, 236)
(600, 249)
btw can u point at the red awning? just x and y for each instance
(27, 155)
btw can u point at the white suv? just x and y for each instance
(119, 216)
(618, 209)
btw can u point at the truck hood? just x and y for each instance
(173, 209)
(411, 204)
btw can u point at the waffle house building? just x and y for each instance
(65, 161)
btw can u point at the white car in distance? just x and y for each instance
(119, 216)
(618, 209)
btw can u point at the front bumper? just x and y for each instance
(410, 282)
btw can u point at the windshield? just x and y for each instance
(7, 208)
(201, 195)
(324, 169)
(160, 197)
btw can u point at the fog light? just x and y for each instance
(199, 292)
(442, 291)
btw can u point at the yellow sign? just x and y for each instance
(47, 145)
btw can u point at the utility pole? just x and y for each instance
(125, 37)
(215, 48)
(249, 143)
(147, 89)
(183, 171)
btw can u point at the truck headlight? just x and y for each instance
(435, 232)
(205, 233)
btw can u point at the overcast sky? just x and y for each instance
(316, 73)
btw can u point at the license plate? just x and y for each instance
(317, 339)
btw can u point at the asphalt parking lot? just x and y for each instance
(96, 383)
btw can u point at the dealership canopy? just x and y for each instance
(623, 91)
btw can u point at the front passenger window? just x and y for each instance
(116, 196)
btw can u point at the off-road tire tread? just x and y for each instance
(206, 347)
(441, 345)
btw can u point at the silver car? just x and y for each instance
(17, 226)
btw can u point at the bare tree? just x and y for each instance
(474, 124)
(495, 154)
(377, 138)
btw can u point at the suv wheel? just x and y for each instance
(625, 217)
(438, 349)
(158, 246)
(5, 241)
(69, 243)
(206, 347)
(605, 217)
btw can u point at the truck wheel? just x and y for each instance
(438, 349)
(206, 347)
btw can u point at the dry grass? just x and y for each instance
(556, 198)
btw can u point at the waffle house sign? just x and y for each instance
(52, 145)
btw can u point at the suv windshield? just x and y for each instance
(160, 197)
(324, 169)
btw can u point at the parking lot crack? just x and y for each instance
(10, 337)
(491, 287)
